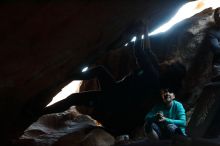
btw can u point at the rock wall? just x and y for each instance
(43, 43)
(188, 47)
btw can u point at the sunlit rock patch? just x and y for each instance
(66, 128)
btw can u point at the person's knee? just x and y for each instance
(149, 126)
(152, 130)
(172, 128)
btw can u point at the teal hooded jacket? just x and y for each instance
(174, 115)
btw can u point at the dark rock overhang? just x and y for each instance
(43, 43)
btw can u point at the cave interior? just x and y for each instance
(45, 45)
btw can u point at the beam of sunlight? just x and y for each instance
(71, 88)
(186, 11)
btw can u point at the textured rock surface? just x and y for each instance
(187, 46)
(206, 113)
(44, 42)
(66, 128)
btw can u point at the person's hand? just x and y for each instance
(160, 117)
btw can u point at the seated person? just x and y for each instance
(166, 119)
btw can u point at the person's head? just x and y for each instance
(217, 16)
(167, 96)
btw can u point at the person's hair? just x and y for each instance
(165, 89)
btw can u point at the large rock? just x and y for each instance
(66, 128)
(206, 111)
